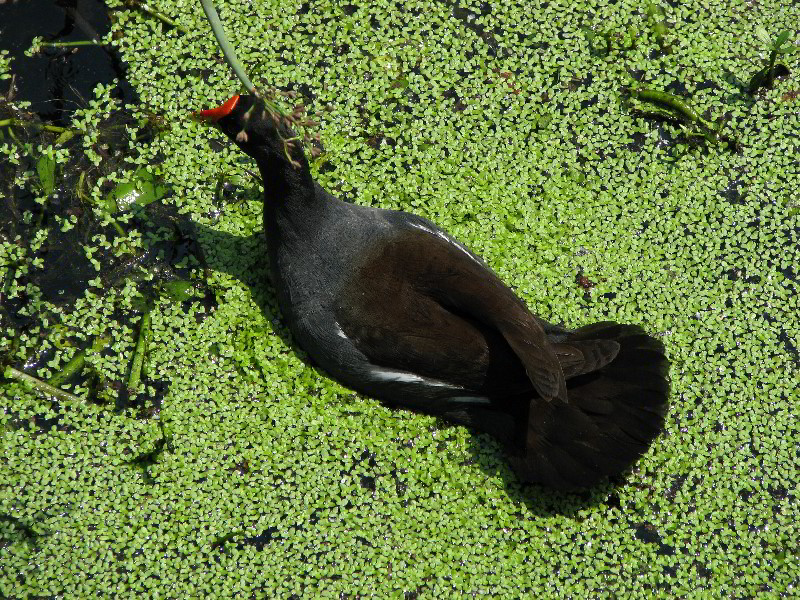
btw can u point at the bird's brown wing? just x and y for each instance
(422, 303)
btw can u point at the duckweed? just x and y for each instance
(255, 475)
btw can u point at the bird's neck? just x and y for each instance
(293, 204)
(287, 187)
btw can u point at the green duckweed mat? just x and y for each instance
(237, 469)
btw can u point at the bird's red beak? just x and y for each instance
(212, 115)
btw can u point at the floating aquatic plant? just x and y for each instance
(671, 106)
(342, 496)
(777, 46)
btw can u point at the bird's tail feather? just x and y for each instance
(611, 417)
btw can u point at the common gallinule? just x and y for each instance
(394, 307)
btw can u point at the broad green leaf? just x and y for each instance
(782, 37)
(763, 36)
(46, 170)
(142, 189)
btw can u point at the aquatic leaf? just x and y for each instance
(108, 204)
(400, 83)
(603, 48)
(80, 190)
(122, 196)
(763, 36)
(782, 37)
(142, 189)
(141, 303)
(65, 136)
(178, 290)
(46, 170)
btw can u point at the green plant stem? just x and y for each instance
(41, 386)
(157, 14)
(53, 128)
(230, 57)
(773, 56)
(69, 44)
(148, 336)
(77, 361)
(139, 352)
(118, 228)
(227, 50)
(685, 112)
(770, 72)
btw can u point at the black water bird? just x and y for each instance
(395, 308)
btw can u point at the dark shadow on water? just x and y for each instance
(219, 246)
(253, 271)
(541, 501)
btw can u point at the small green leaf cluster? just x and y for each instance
(779, 46)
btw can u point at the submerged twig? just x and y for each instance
(76, 363)
(138, 354)
(12, 88)
(41, 386)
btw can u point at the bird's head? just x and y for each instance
(259, 132)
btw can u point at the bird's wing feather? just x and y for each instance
(448, 301)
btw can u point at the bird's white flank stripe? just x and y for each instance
(406, 377)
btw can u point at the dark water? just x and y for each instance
(57, 81)
(60, 79)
